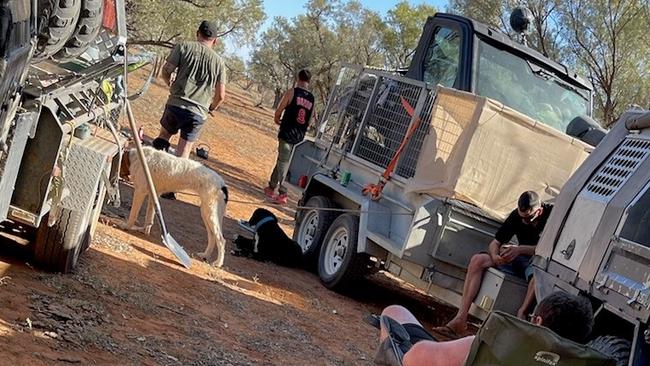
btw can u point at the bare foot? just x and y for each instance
(459, 326)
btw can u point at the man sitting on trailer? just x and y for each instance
(526, 222)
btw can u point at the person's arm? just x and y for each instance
(173, 60)
(493, 250)
(167, 72)
(220, 86)
(512, 251)
(219, 96)
(284, 102)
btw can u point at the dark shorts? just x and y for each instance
(417, 333)
(176, 118)
(520, 267)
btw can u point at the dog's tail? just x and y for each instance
(218, 183)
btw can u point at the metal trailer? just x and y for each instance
(426, 241)
(597, 240)
(59, 138)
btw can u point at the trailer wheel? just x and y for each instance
(86, 30)
(57, 248)
(312, 226)
(614, 347)
(56, 21)
(339, 264)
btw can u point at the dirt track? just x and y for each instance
(130, 303)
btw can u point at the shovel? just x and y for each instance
(167, 239)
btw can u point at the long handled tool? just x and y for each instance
(167, 239)
(375, 190)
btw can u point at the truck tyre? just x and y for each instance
(57, 248)
(614, 347)
(339, 264)
(57, 21)
(86, 30)
(94, 216)
(312, 226)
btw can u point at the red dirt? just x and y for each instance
(129, 302)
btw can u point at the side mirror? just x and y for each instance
(586, 129)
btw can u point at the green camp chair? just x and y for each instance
(504, 340)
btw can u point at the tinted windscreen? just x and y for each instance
(528, 88)
(443, 55)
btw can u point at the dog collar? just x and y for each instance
(263, 221)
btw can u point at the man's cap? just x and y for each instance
(209, 29)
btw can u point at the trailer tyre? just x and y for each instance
(339, 264)
(57, 248)
(86, 30)
(57, 21)
(312, 226)
(614, 347)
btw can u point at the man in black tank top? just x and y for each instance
(293, 115)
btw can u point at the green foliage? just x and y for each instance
(401, 31)
(163, 23)
(608, 39)
(331, 33)
(489, 12)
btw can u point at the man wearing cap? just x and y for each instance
(198, 89)
(526, 222)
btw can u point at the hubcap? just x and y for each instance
(336, 249)
(308, 230)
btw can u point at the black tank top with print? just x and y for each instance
(296, 116)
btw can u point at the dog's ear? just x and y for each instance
(161, 144)
(257, 215)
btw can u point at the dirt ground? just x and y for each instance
(130, 303)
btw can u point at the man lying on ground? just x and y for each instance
(568, 316)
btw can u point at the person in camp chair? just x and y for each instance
(526, 222)
(403, 338)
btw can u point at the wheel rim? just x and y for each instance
(337, 246)
(308, 230)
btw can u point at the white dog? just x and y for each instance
(174, 174)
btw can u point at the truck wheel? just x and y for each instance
(614, 347)
(94, 216)
(312, 226)
(57, 21)
(86, 30)
(339, 264)
(57, 248)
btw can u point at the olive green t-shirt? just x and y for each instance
(199, 69)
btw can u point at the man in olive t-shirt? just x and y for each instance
(198, 89)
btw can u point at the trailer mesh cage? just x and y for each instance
(365, 116)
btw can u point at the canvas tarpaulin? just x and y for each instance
(484, 153)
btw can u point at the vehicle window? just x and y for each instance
(442, 59)
(528, 88)
(637, 224)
